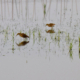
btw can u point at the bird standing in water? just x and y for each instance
(22, 35)
(50, 25)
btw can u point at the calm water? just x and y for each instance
(47, 56)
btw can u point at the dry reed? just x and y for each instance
(1, 10)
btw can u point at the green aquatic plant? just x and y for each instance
(13, 48)
(79, 55)
(20, 31)
(68, 36)
(13, 36)
(70, 47)
(79, 52)
(79, 49)
(55, 37)
(45, 39)
(33, 34)
(58, 44)
(59, 31)
(13, 33)
(6, 34)
(59, 35)
(29, 32)
(44, 9)
(58, 38)
(39, 34)
(52, 37)
(33, 37)
(71, 56)
(79, 39)
(79, 45)
(13, 42)
(49, 46)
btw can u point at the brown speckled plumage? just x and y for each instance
(23, 35)
(50, 24)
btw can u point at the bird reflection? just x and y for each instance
(22, 35)
(50, 31)
(23, 43)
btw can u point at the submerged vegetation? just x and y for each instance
(53, 37)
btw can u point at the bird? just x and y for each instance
(23, 43)
(50, 31)
(22, 35)
(50, 25)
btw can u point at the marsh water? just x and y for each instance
(45, 56)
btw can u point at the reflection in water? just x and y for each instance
(50, 31)
(13, 43)
(23, 43)
(79, 50)
(79, 55)
(71, 56)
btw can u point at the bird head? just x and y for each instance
(18, 34)
(46, 24)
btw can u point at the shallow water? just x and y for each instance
(47, 56)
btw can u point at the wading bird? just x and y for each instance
(50, 25)
(23, 43)
(22, 35)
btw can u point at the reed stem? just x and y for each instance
(61, 13)
(76, 6)
(1, 10)
(21, 9)
(12, 9)
(8, 7)
(56, 6)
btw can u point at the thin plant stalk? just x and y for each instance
(12, 9)
(1, 10)
(13, 42)
(21, 9)
(4, 9)
(27, 10)
(61, 13)
(33, 9)
(42, 4)
(16, 8)
(64, 8)
(8, 7)
(56, 6)
(49, 7)
(72, 8)
(66, 4)
(71, 13)
(76, 6)
(44, 7)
